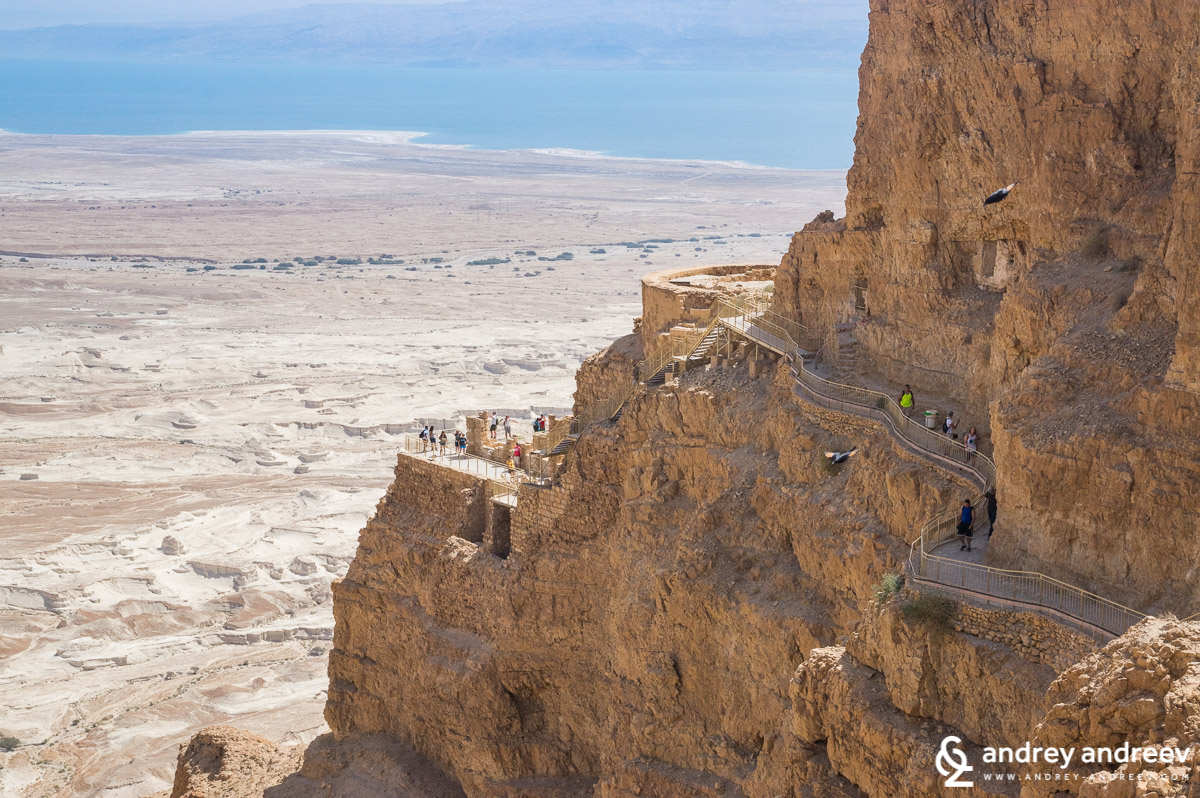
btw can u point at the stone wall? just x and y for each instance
(665, 304)
(1034, 637)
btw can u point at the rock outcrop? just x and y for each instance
(223, 762)
(1066, 312)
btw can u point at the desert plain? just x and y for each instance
(200, 406)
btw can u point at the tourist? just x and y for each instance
(972, 443)
(512, 466)
(966, 520)
(424, 438)
(517, 451)
(949, 425)
(507, 428)
(492, 428)
(906, 402)
(442, 442)
(991, 509)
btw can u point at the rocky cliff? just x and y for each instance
(697, 606)
(1063, 316)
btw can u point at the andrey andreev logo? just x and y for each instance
(952, 763)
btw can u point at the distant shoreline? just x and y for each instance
(799, 120)
(412, 139)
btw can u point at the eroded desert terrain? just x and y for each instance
(187, 450)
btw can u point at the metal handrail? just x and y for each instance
(562, 426)
(674, 348)
(647, 368)
(1021, 587)
(415, 447)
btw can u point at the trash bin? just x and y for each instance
(931, 419)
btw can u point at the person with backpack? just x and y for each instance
(966, 520)
(492, 428)
(950, 424)
(424, 438)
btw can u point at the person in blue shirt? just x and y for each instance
(966, 520)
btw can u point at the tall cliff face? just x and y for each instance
(641, 629)
(1064, 314)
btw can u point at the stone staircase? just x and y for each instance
(699, 354)
(848, 354)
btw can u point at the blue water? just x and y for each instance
(797, 120)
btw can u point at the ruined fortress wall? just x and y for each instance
(665, 304)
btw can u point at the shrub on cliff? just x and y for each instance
(888, 586)
(9, 743)
(1095, 245)
(936, 611)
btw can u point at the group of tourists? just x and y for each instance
(433, 442)
(949, 426)
(539, 423)
(966, 519)
(970, 443)
(493, 422)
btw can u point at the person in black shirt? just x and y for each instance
(991, 509)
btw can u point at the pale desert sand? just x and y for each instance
(252, 416)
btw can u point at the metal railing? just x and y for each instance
(675, 348)
(753, 319)
(1020, 588)
(678, 347)
(502, 482)
(554, 436)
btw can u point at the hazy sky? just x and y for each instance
(33, 13)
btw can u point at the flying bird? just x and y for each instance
(996, 196)
(840, 457)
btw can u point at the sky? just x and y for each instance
(35, 13)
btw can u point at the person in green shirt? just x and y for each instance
(906, 401)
